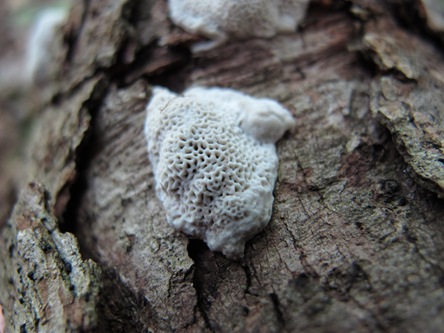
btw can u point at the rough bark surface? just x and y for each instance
(356, 239)
(51, 288)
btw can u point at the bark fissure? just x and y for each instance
(278, 312)
(73, 36)
(195, 247)
(83, 158)
(308, 270)
(248, 276)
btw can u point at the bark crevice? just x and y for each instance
(195, 250)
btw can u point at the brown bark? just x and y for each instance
(356, 240)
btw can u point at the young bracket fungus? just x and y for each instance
(215, 163)
(220, 20)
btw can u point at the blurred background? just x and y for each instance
(20, 29)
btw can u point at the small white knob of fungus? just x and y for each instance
(215, 163)
(268, 122)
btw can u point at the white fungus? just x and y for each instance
(40, 42)
(220, 20)
(215, 163)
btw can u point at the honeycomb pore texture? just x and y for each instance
(214, 176)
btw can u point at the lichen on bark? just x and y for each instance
(407, 99)
(49, 287)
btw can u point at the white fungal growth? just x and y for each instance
(215, 162)
(223, 19)
(40, 42)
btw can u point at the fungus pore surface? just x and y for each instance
(215, 163)
(223, 19)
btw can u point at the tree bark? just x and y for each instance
(356, 240)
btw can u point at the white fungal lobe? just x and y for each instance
(223, 19)
(40, 42)
(215, 162)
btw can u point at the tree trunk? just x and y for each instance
(356, 240)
